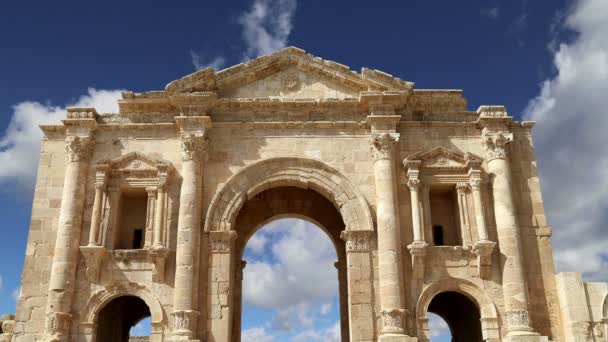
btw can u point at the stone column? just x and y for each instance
(100, 189)
(193, 149)
(65, 256)
(359, 268)
(514, 286)
(463, 213)
(480, 219)
(389, 256)
(159, 215)
(150, 214)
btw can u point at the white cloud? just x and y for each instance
(492, 13)
(16, 293)
(325, 308)
(20, 145)
(256, 334)
(267, 25)
(200, 62)
(571, 141)
(257, 243)
(331, 334)
(437, 326)
(303, 271)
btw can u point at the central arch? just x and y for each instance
(284, 187)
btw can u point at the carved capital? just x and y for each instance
(518, 320)
(413, 184)
(494, 143)
(184, 321)
(221, 241)
(392, 320)
(57, 325)
(475, 184)
(78, 149)
(383, 145)
(152, 191)
(193, 147)
(462, 187)
(357, 240)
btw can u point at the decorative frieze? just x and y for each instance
(78, 149)
(357, 240)
(494, 143)
(383, 145)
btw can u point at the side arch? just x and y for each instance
(103, 297)
(294, 171)
(487, 309)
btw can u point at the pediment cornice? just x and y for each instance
(442, 158)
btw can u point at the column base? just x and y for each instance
(396, 338)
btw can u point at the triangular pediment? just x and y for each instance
(134, 161)
(441, 157)
(287, 73)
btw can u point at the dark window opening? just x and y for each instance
(438, 235)
(138, 238)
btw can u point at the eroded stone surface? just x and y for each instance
(420, 196)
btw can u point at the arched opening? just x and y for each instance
(124, 319)
(290, 283)
(461, 315)
(314, 224)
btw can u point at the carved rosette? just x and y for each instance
(518, 320)
(193, 147)
(495, 143)
(383, 145)
(58, 324)
(221, 241)
(357, 240)
(78, 149)
(392, 320)
(184, 321)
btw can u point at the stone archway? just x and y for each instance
(298, 181)
(102, 298)
(455, 291)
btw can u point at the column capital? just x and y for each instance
(383, 145)
(475, 184)
(494, 143)
(193, 147)
(152, 191)
(184, 321)
(462, 187)
(392, 320)
(78, 149)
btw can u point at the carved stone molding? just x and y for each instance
(413, 184)
(483, 250)
(383, 145)
(475, 184)
(184, 321)
(221, 241)
(462, 187)
(94, 257)
(357, 240)
(393, 320)
(518, 320)
(78, 149)
(494, 143)
(193, 147)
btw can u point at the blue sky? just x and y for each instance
(545, 60)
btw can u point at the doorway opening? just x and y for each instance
(124, 319)
(460, 314)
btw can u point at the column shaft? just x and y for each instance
(389, 246)
(96, 216)
(480, 219)
(159, 217)
(415, 210)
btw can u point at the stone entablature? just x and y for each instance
(421, 197)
